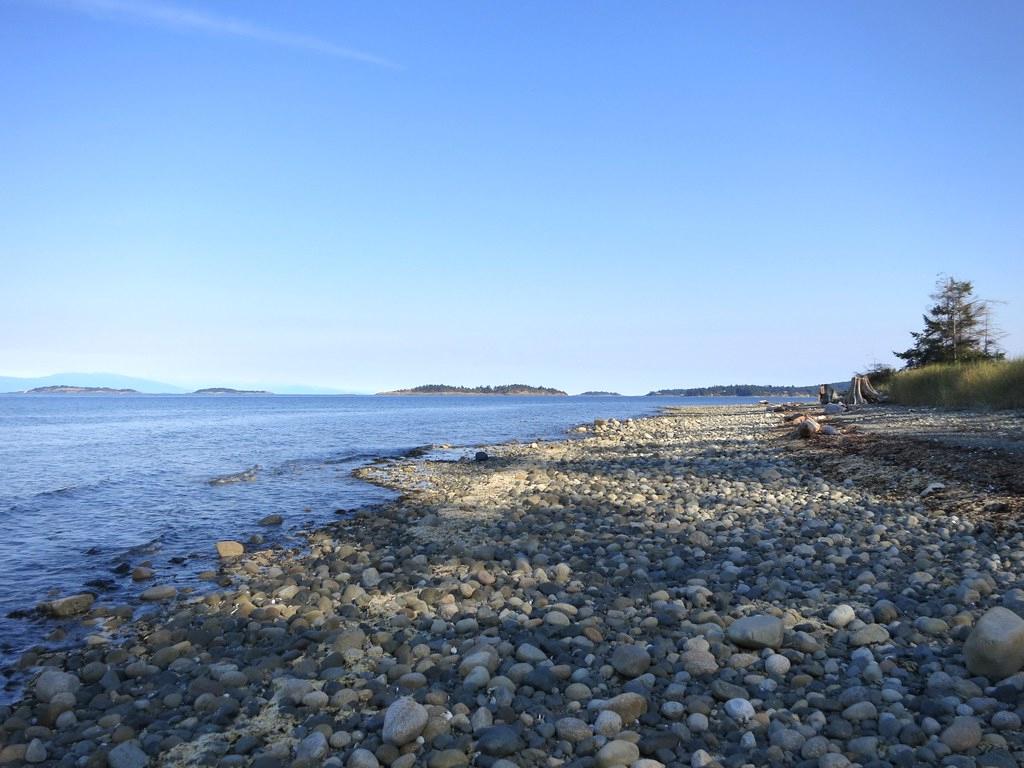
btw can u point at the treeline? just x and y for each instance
(739, 390)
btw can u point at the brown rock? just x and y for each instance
(629, 706)
(230, 549)
(68, 606)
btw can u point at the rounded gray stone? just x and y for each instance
(53, 681)
(128, 754)
(995, 647)
(963, 734)
(761, 631)
(363, 758)
(311, 749)
(404, 720)
(630, 660)
(499, 741)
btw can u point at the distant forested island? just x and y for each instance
(739, 390)
(68, 389)
(229, 391)
(503, 389)
(599, 393)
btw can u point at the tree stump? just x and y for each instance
(862, 392)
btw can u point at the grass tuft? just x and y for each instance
(994, 384)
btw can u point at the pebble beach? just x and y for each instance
(698, 588)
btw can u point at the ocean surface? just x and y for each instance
(88, 483)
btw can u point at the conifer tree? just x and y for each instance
(958, 328)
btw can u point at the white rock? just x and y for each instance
(740, 710)
(608, 723)
(777, 664)
(841, 615)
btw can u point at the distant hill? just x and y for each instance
(229, 391)
(740, 390)
(599, 393)
(64, 389)
(108, 380)
(16, 384)
(504, 389)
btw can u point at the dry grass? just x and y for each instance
(991, 384)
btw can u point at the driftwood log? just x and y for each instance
(807, 428)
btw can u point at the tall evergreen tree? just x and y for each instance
(957, 328)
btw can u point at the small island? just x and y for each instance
(599, 393)
(69, 389)
(739, 390)
(503, 389)
(229, 391)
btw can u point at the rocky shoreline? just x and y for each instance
(682, 590)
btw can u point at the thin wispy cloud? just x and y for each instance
(188, 20)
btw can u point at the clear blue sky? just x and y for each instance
(583, 195)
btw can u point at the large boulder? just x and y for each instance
(995, 647)
(761, 631)
(229, 549)
(404, 721)
(53, 681)
(68, 606)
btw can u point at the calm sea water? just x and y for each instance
(91, 482)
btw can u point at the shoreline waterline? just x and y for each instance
(662, 589)
(179, 552)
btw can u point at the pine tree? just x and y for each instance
(957, 329)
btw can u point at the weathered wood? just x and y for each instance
(807, 428)
(854, 396)
(862, 392)
(870, 393)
